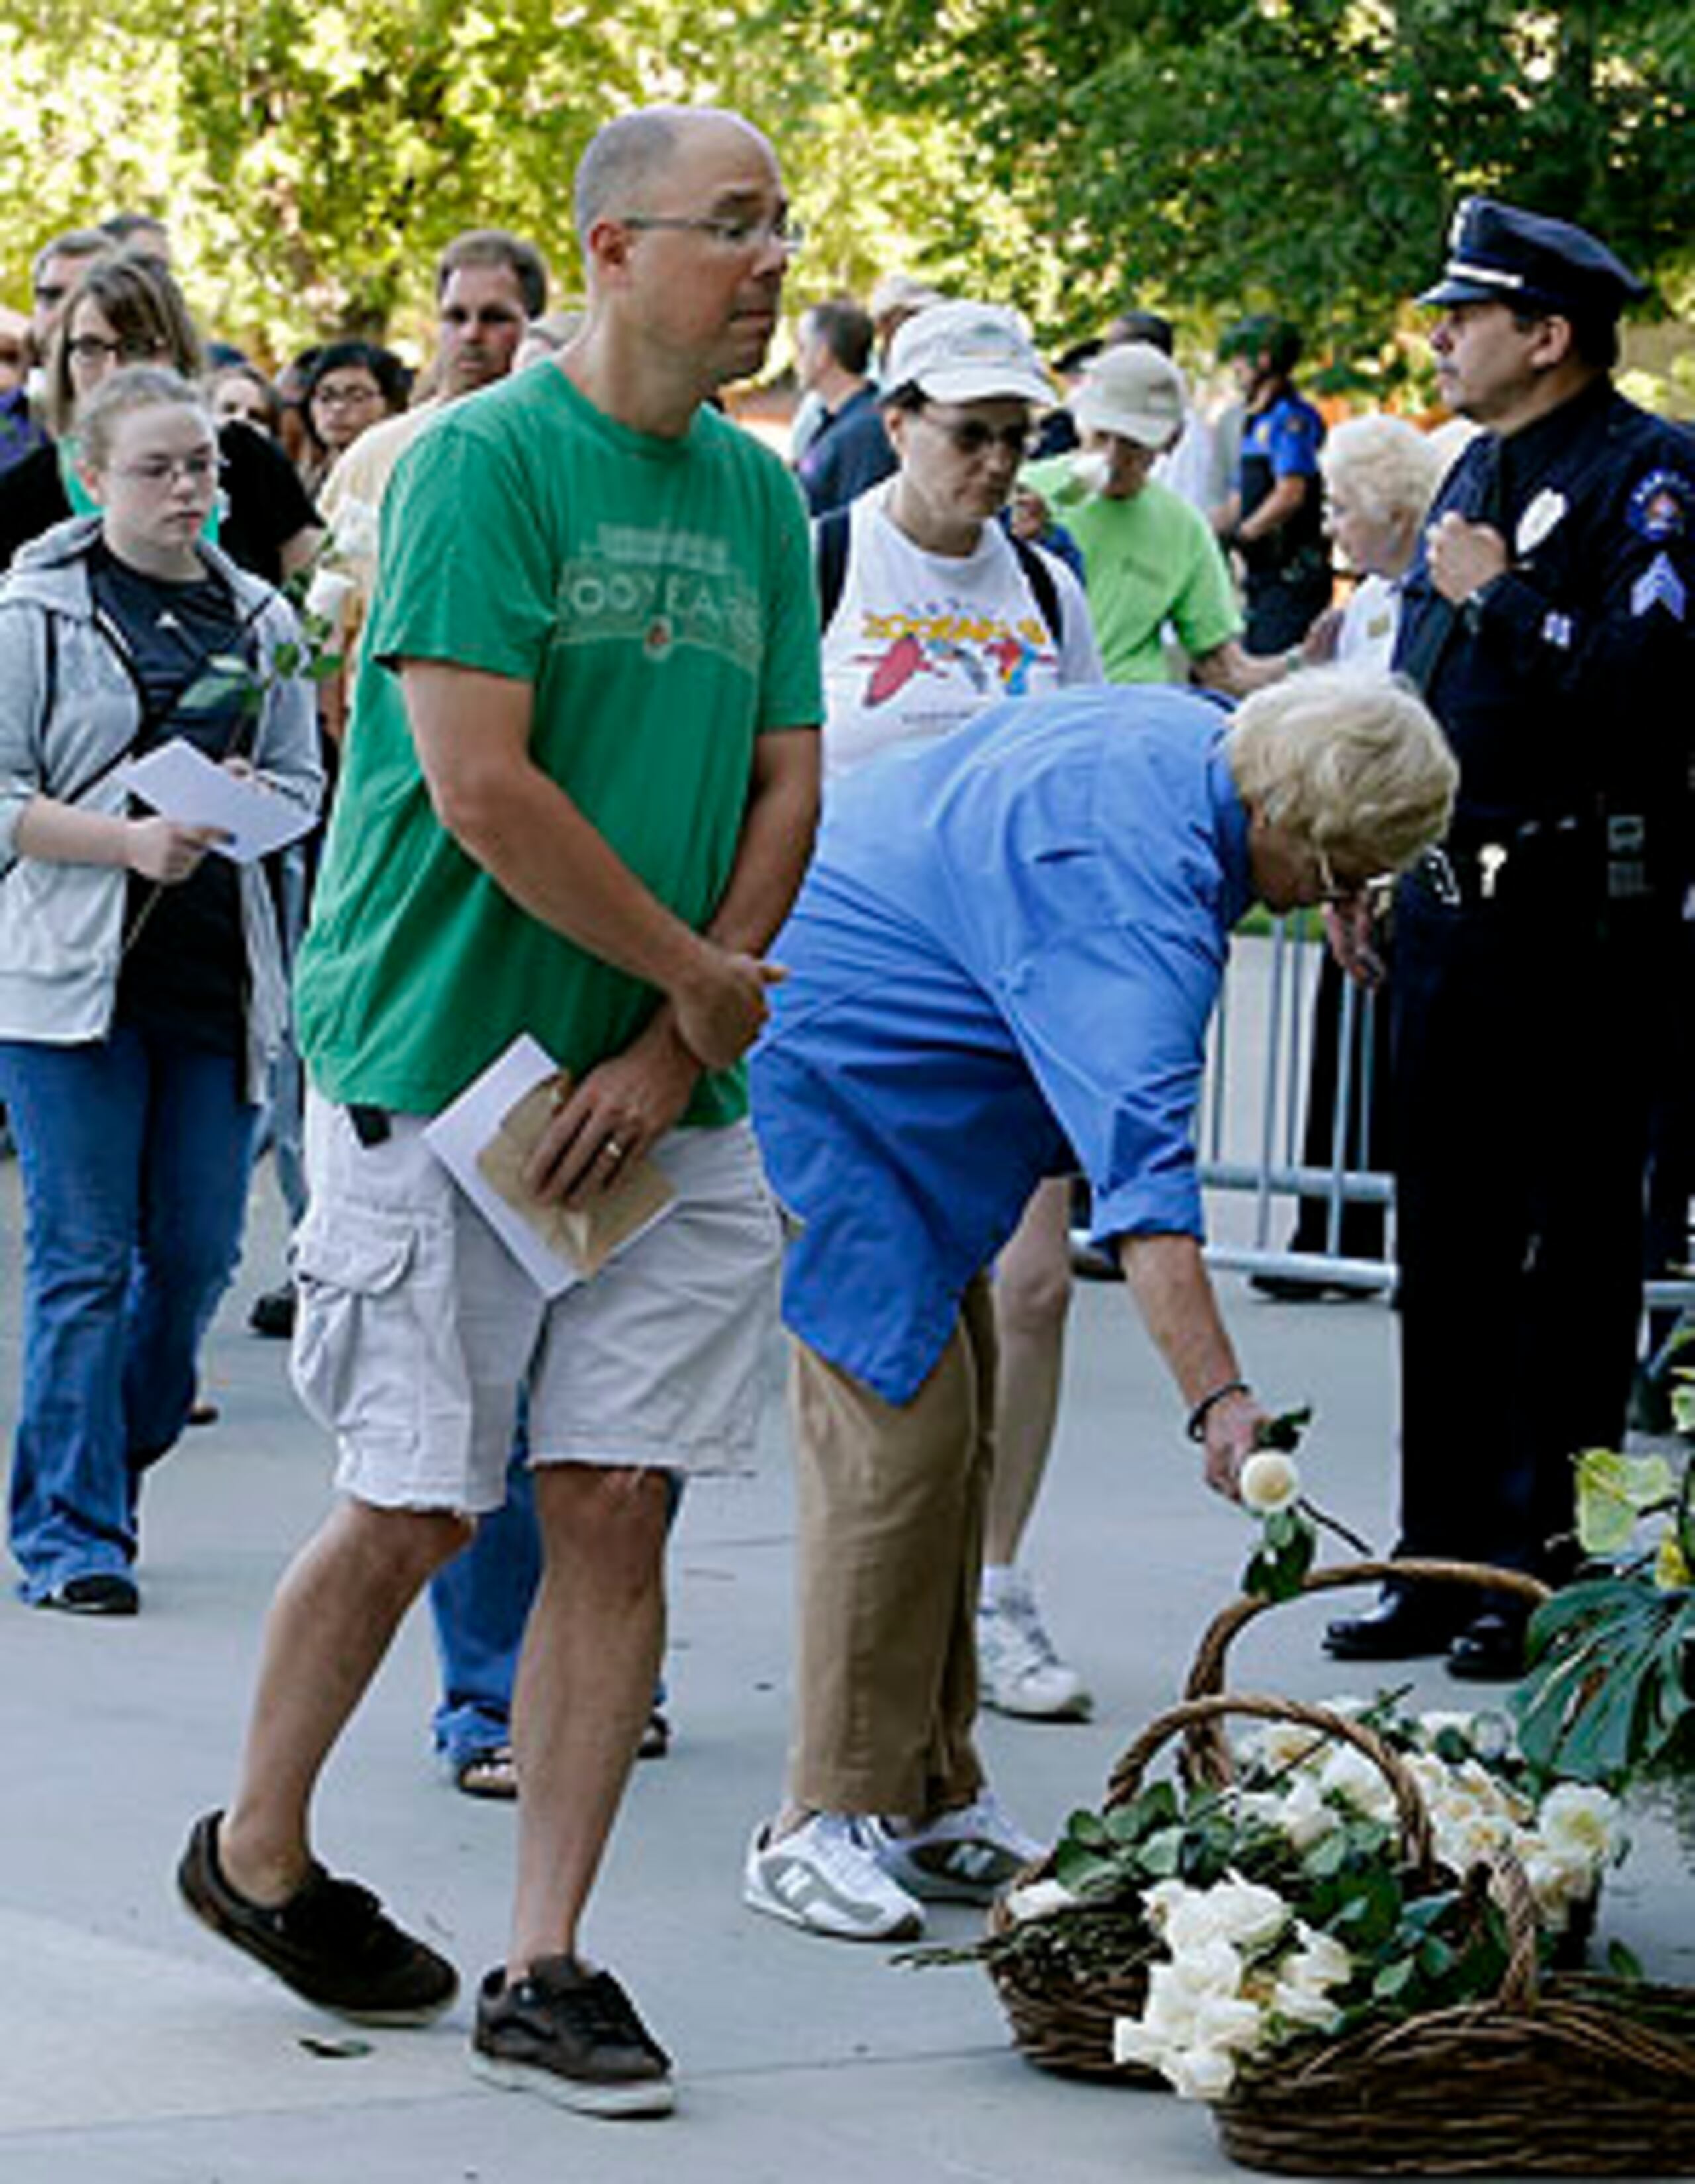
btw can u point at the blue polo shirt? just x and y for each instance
(1000, 967)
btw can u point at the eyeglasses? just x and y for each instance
(158, 471)
(730, 230)
(346, 398)
(972, 438)
(1375, 888)
(133, 349)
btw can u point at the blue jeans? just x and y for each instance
(135, 1156)
(480, 1603)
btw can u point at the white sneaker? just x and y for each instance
(967, 1856)
(1018, 1671)
(827, 1877)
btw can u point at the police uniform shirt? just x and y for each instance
(1564, 685)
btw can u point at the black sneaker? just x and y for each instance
(574, 2037)
(329, 1942)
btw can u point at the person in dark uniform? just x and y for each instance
(1274, 519)
(1547, 618)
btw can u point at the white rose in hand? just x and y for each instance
(1269, 1481)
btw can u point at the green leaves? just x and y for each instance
(1613, 1492)
(1279, 1565)
(1606, 1693)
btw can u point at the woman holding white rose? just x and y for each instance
(142, 987)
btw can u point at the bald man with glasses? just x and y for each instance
(580, 793)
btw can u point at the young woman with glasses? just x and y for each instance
(141, 978)
(127, 310)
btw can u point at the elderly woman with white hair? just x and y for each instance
(1381, 474)
(1001, 967)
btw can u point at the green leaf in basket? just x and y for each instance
(1436, 1958)
(1088, 1829)
(1083, 1871)
(1622, 1962)
(1328, 1856)
(1394, 1979)
(1158, 1855)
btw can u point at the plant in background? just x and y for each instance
(1610, 1693)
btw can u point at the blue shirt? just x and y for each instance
(850, 454)
(1000, 967)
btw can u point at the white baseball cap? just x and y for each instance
(967, 353)
(1135, 391)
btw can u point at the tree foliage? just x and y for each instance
(1212, 155)
(1303, 154)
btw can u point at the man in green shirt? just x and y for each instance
(1149, 558)
(579, 797)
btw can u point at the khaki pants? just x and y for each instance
(890, 1503)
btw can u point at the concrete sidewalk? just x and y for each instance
(135, 2050)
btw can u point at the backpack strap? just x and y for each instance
(1038, 574)
(832, 540)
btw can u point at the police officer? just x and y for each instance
(1548, 620)
(1274, 518)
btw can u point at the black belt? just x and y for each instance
(372, 1125)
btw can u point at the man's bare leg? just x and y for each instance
(584, 1688)
(332, 1620)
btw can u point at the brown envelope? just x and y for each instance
(584, 1237)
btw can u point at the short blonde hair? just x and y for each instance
(1386, 465)
(1348, 761)
(135, 386)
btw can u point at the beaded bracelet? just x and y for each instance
(1197, 1427)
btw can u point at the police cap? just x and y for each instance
(1498, 254)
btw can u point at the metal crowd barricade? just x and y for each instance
(1253, 1112)
(1252, 1109)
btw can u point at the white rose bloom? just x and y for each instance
(1461, 1840)
(356, 531)
(1168, 2012)
(1278, 1745)
(1268, 1481)
(1228, 2021)
(1164, 1899)
(1201, 2073)
(1303, 2005)
(1132, 2042)
(1431, 1725)
(1037, 1899)
(1249, 1915)
(1318, 1959)
(1557, 1883)
(1212, 1966)
(1349, 1774)
(1578, 1823)
(1306, 1817)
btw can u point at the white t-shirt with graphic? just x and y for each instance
(920, 642)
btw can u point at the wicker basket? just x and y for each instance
(1062, 2025)
(1573, 2075)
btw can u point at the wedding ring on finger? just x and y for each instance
(614, 1150)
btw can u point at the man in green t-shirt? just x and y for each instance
(1149, 558)
(579, 797)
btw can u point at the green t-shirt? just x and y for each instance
(1147, 561)
(658, 596)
